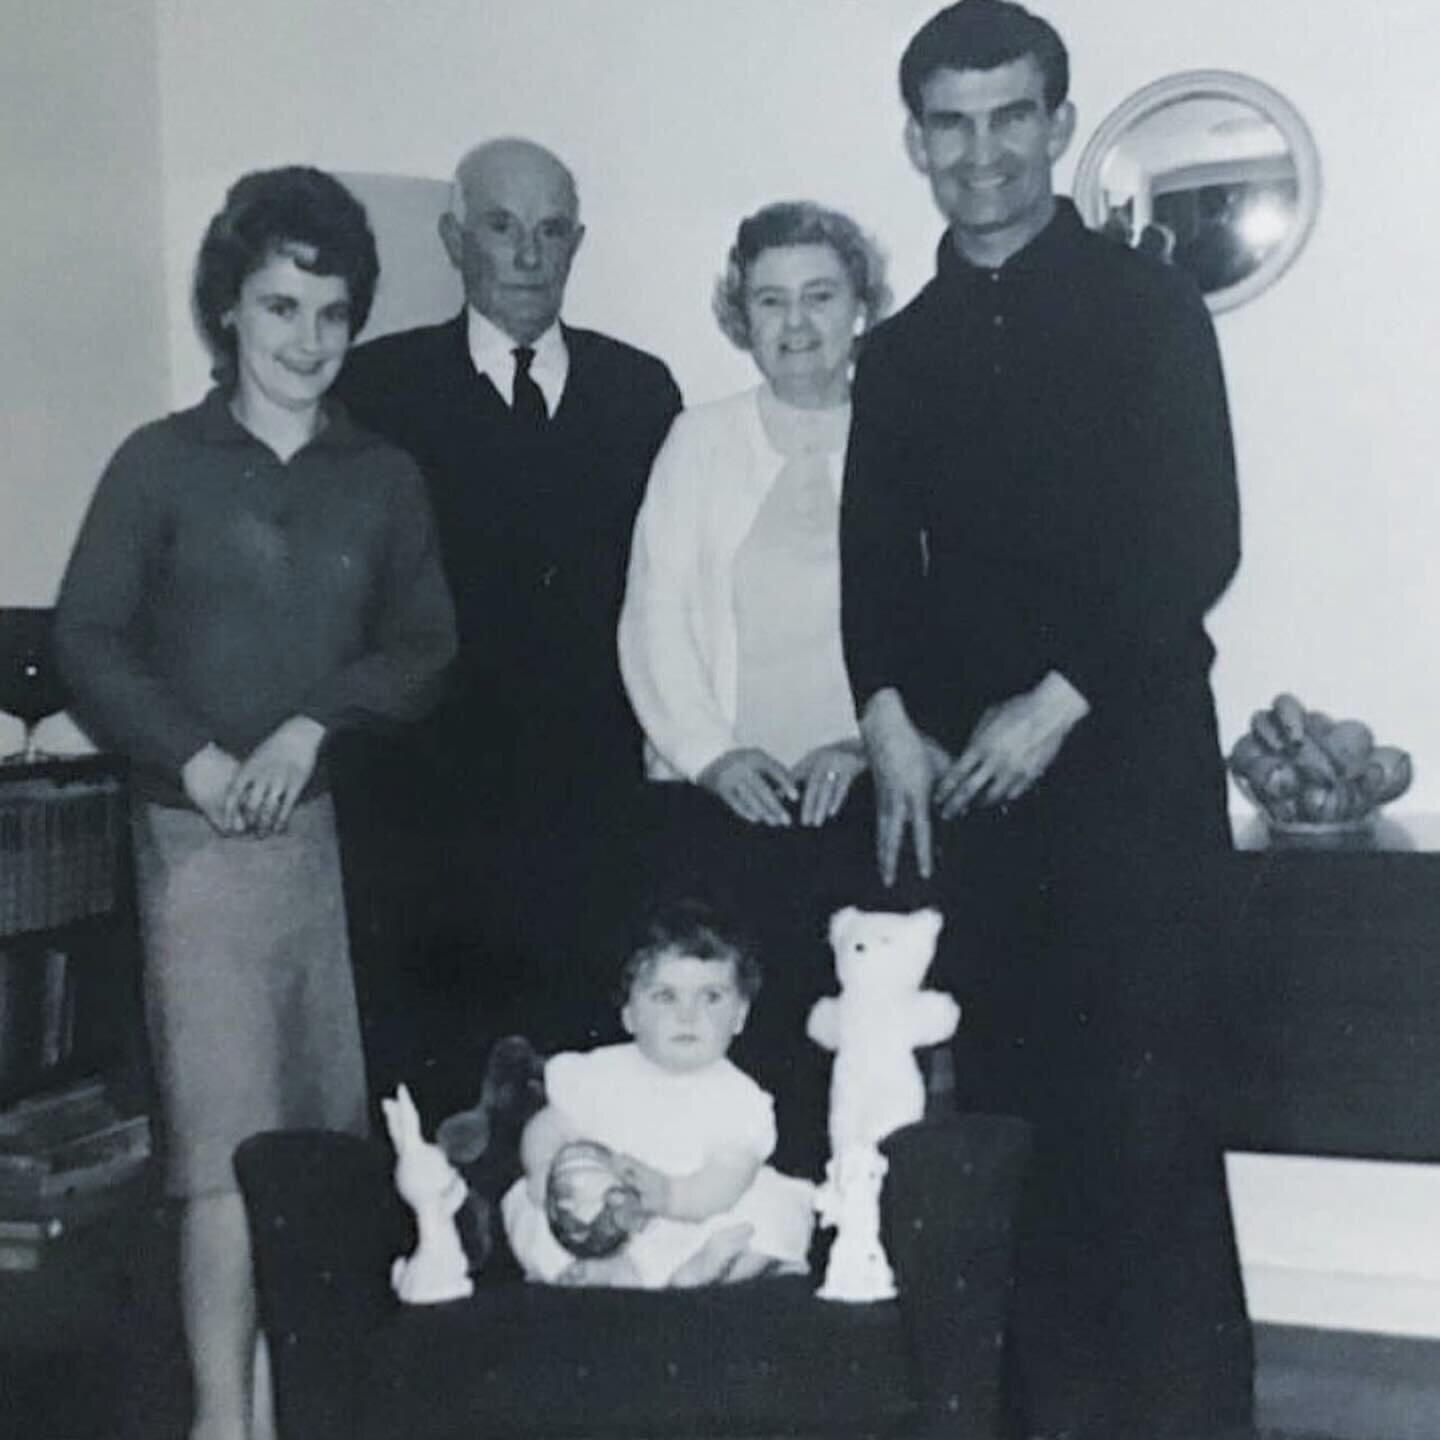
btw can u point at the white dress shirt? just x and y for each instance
(492, 352)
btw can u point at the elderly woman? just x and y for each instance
(252, 574)
(730, 631)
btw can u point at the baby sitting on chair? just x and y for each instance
(647, 1166)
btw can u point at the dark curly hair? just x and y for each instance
(694, 928)
(982, 35)
(265, 213)
(798, 222)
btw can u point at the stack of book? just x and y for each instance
(64, 1157)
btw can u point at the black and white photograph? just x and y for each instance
(716, 720)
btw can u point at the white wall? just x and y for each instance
(83, 355)
(83, 350)
(679, 115)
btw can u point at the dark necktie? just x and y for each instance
(528, 403)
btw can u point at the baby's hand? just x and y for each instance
(653, 1186)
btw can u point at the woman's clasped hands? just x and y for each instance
(761, 790)
(255, 796)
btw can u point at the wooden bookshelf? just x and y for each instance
(72, 1088)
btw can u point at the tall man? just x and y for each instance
(1039, 509)
(535, 439)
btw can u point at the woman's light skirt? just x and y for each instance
(249, 997)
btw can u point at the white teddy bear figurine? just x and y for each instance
(874, 1026)
(879, 1019)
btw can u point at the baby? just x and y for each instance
(651, 1155)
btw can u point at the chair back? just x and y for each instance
(418, 284)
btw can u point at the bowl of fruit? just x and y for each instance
(1313, 778)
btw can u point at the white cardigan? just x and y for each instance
(678, 641)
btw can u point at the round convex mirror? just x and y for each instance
(1207, 170)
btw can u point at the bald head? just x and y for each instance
(512, 229)
(499, 162)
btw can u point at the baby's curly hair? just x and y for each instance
(693, 927)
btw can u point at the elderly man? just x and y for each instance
(1039, 509)
(535, 439)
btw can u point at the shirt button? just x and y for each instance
(998, 321)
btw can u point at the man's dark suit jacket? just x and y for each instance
(534, 533)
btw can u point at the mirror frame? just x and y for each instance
(1225, 84)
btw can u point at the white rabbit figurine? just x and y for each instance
(434, 1190)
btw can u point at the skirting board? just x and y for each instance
(1330, 1300)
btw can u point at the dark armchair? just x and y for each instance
(763, 1358)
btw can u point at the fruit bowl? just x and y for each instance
(1354, 833)
(1321, 829)
(1316, 780)
(1322, 834)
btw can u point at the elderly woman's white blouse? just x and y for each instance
(678, 634)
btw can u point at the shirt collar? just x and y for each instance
(215, 425)
(492, 352)
(1045, 250)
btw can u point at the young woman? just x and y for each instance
(252, 574)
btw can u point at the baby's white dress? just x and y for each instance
(672, 1122)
